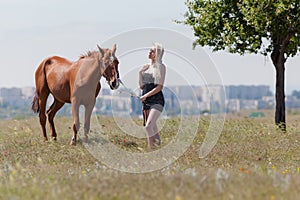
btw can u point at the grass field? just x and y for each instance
(252, 160)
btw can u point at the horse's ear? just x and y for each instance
(101, 51)
(114, 49)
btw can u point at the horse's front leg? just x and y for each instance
(76, 124)
(87, 121)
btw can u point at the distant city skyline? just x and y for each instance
(180, 100)
(32, 30)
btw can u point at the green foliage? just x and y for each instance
(245, 26)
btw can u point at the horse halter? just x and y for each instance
(113, 68)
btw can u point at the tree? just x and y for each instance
(268, 27)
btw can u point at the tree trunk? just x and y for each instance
(280, 97)
(278, 61)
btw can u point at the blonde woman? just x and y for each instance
(151, 81)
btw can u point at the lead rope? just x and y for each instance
(128, 90)
(145, 112)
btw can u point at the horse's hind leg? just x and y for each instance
(56, 105)
(42, 102)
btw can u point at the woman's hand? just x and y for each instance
(143, 98)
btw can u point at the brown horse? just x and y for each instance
(77, 83)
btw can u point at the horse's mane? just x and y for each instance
(89, 54)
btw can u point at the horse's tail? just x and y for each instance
(41, 83)
(35, 103)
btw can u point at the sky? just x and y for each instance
(32, 30)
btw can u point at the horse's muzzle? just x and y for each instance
(114, 85)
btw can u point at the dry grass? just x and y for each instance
(252, 160)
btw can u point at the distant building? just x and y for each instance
(12, 97)
(8, 92)
(249, 104)
(266, 102)
(136, 106)
(233, 105)
(213, 96)
(247, 91)
(28, 92)
(181, 92)
(292, 102)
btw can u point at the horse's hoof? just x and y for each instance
(54, 139)
(73, 143)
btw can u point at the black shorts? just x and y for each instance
(147, 106)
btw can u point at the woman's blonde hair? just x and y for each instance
(159, 52)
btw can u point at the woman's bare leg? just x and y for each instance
(151, 128)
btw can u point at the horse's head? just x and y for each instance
(110, 63)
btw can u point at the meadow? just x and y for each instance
(251, 160)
